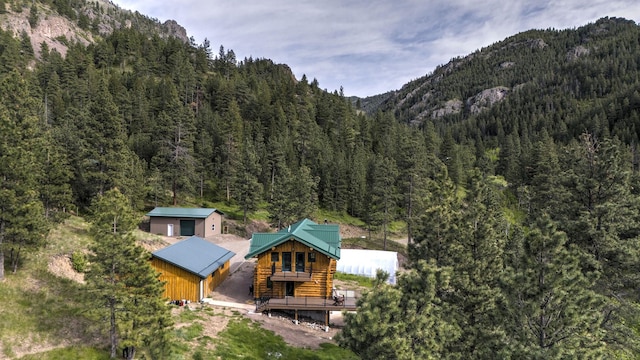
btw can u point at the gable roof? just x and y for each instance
(195, 255)
(199, 213)
(324, 238)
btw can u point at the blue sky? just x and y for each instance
(369, 46)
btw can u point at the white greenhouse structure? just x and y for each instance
(367, 262)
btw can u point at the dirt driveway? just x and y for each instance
(235, 288)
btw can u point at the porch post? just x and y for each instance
(326, 322)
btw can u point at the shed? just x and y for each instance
(175, 221)
(367, 262)
(191, 268)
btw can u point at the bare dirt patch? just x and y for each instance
(306, 334)
(60, 265)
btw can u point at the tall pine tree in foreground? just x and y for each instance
(476, 257)
(122, 287)
(406, 321)
(602, 218)
(555, 314)
(22, 224)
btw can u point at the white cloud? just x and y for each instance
(370, 46)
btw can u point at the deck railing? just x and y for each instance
(336, 302)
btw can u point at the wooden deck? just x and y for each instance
(305, 303)
(291, 276)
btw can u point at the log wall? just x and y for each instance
(322, 271)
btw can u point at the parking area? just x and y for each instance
(235, 288)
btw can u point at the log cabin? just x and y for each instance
(295, 268)
(192, 268)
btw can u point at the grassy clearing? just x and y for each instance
(41, 310)
(37, 318)
(338, 218)
(85, 353)
(244, 339)
(240, 339)
(361, 281)
(374, 244)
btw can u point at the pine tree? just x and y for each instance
(377, 330)
(548, 195)
(247, 189)
(475, 254)
(55, 188)
(103, 159)
(555, 313)
(406, 321)
(294, 196)
(22, 223)
(381, 180)
(600, 216)
(122, 288)
(438, 223)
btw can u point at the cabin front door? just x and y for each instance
(288, 288)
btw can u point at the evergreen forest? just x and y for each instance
(522, 215)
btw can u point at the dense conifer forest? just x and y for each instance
(522, 213)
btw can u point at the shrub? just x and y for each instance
(78, 261)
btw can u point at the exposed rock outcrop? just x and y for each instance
(172, 28)
(450, 107)
(487, 98)
(577, 52)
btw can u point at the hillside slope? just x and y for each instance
(541, 75)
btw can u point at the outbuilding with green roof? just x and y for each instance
(177, 221)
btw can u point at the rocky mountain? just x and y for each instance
(537, 59)
(60, 25)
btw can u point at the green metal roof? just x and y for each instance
(195, 255)
(322, 237)
(199, 213)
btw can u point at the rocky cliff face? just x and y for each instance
(172, 28)
(51, 29)
(57, 31)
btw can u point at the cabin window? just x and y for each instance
(300, 262)
(275, 257)
(269, 283)
(312, 257)
(286, 261)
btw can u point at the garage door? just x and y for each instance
(187, 227)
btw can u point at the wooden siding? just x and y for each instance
(216, 278)
(322, 272)
(181, 284)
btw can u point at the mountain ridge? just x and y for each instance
(85, 24)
